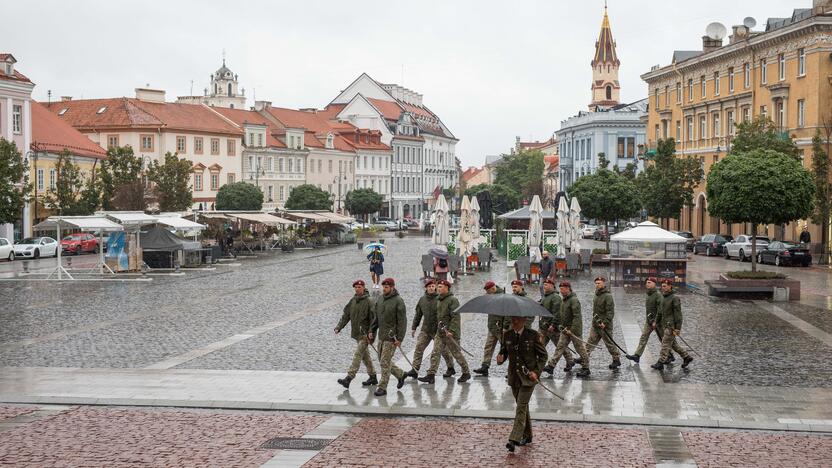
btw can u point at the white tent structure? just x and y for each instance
(441, 222)
(564, 237)
(177, 222)
(475, 223)
(535, 229)
(84, 223)
(575, 226)
(648, 240)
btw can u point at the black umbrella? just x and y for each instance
(507, 305)
(438, 252)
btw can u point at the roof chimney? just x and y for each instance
(262, 105)
(150, 95)
(66, 98)
(710, 44)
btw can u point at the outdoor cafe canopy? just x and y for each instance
(179, 223)
(262, 218)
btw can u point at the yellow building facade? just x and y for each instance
(783, 72)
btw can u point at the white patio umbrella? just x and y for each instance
(564, 237)
(535, 229)
(440, 224)
(475, 223)
(464, 237)
(575, 225)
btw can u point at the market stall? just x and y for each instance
(124, 250)
(644, 251)
(82, 223)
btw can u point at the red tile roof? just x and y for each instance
(134, 113)
(16, 76)
(241, 117)
(50, 133)
(470, 173)
(390, 110)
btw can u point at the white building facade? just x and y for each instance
(16, 123)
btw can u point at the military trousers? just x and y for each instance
(560, 350)
(522, 428)
(491, 341)
(544, 333)
(596, 334)
(386, 350)
(668, 343)
(444, 344)
(361, 355)
(646, 330)
(422, 341)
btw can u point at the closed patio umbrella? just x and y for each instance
(475, 223)
(535, 229)
(564, 237)
(575, 225)
(440, 225)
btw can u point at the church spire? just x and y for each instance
(605, 46)
(606, 89)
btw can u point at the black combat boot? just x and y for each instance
(449, 372)
(380, 392)
(483, 370)
(371, 381)
(584, 372)
(569, 366)
(401, 380)
(549, 369)
(345, 381)
(658, 366)
(633, 357)
(428, 379)
(671, 357)
(579, 360)
(510, 445)
(615, 364)
(464, 377)
(686, 362)
(412, 373)
(524, 441)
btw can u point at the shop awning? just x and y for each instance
(213, 215)
(261, 218)
(130, 218)
(336, 218)
(179, 223)
(308, 215)
(84, 223)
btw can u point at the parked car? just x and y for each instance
(741, 247)
(711, 244)
(785, 253)
(36, 247)
(385, 224)
(79, 243)
(588, 231)
(601, 234)
(6, 249)
(690, 240)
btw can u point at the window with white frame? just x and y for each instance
(271, 164)
(270, 190)
(40, 179)
(746, 75)
(801, 113)
(180, 144)
(703, 127)
(730, 121)
(53, 179)
(678, 92)
(678, 131)
(299, 165)
(215, 181)
(763, 71)
(717, 129)
(731, 80)
(281, 193)
(197, 182)
(703, 84)
(781, 66)
(716, 83)
(690, 89)
(801, 62)
(17, 119)
(288, 164)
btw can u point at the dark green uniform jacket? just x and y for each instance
(525, 353)
(603, 308)
(446, 313)
(390, 314)
(426, 307)
(652, 305)
(497, 323)
(359, 313)
(670, 313)
(551, 302)
(570, 314)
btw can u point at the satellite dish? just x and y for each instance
(716, 31)
(749, 22)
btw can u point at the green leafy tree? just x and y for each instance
(74, 194)
(363, 202)
(308, 197)
(762, 133)
(760, 187)
(667, 185)
(823, 194)
(172, 179)
(523, 172)
(605, 195)
(239, 196)
(13, 190)
(503, 199)
(120, 180)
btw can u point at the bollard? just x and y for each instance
(68, 262)
(26, 267)
(176, 266)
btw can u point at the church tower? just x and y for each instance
(606, 90)
(222, 92)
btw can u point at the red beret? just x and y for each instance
(444, 282)
(388, 282)
(601, 278)
(517, 282)
(566, 284)
(489, 285)
(550, 281)
(667, 281)
(653, 279)
(429, 282)
(358, 283)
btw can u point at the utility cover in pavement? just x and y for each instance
(295, 443)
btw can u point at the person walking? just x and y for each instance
(669, 319)
(805, 237)
(549, 327)
(547, 267)
(359, 314)
(448, 335)
(518, 289)
(603, 313)
(496, 325)
(651, 306)
(571, 330)
(390, 325)
(526, 355)
(376, 259)
(426, 308)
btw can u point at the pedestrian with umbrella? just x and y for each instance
(440, 262)
(376, 258)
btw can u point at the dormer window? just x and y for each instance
(329, 140)
(9, 69)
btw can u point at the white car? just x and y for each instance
(741, 247)
(588, 231)
(6, 249)
(36, 247)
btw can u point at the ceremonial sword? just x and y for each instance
(613, 342)
(399, 346)
(445, 329)
(688, 345)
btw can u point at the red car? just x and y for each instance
(79, 243)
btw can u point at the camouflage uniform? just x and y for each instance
(654, 301)
(496, 325)
(358, 312)
(390, 316)
(603, 311)
(570, 315)
(525, 353)
(670, 318)
(552, 302)
(426, 307)
(448, 316)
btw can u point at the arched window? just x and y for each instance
(609, 92)
(229, 89)
(216, 88)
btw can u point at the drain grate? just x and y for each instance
(295, 443)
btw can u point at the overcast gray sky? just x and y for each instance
(491, 70)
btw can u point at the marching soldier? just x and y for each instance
(518, 290)
(448, 335)
(549, 327)
(526, 356)
(359, 314)
(603, 312)
(426, 308)
(669, 320)
(571, 329)
(496, 325)
(651, 305)
(390, 321)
